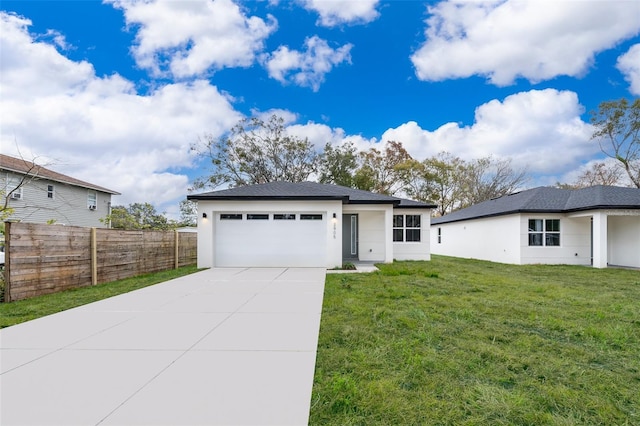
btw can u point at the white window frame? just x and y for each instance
(92, 202)
(13, 184)
(542, 229)
(51, 192)
(405, 228)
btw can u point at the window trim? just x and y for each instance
(90, 205)
(439, 235)
(405, 228)
(51, 192)
(543, 232)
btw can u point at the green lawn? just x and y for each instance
(28, 309)
(455, 342)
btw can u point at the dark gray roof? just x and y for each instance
(307, 191)
(549, 200)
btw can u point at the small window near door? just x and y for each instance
(284, 216)
(231, 216)
(258, 216)
(310, 217)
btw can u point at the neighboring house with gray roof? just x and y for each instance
(308, 224)
(40, 195)
(598, 226)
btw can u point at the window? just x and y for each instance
(259, 216)
(310, 217)
(406, 228)
(92, 200)
(285, 216)
(50, 191)
(14, 184)
(230, 216)
(439, 235)
(544, 232)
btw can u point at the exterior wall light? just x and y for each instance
(204, 215)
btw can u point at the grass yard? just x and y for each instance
(28, 309)
(455, 342)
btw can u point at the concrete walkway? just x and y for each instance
(219, 347)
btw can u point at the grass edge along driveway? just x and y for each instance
(455, 341)
(24, 310)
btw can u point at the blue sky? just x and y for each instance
(115, 92)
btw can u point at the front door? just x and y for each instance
(350, 236)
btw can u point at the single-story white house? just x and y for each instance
(598, 226)
(308, 224)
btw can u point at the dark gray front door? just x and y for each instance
(350, 236)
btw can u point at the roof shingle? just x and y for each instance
(306, 191)
(549, 200)
(21, 166)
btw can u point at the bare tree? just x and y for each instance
(600, 173)
(617, 130)
(487, 178)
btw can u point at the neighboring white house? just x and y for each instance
(40, 195)
(596, 226)
(308, 224)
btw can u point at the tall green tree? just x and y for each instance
(257, 151)
(138, 216)
(617, 130)
(338, 164)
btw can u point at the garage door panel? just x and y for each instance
(270, 242)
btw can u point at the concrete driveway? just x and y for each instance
(219, 347)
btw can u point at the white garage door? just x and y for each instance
(270, 239)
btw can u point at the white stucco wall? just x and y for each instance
(575, 241)
(624, 241)
(206, 226)
(496, 239)
(414, 250)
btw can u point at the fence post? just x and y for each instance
(7, 262)
(94, 257)
(177, 252)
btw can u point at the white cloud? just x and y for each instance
(540, 130)
(629, 65)
(336, 12)
(308, 68)
(100, 129)
(190, 38)
(505, 40)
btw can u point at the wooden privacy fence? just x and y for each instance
(42, 259)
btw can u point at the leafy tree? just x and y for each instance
(444, 174)
(188, 213)
(138, 216)
(337, 165)
(453, 183)
(383, 171)
(257, 151)
(617, 130)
